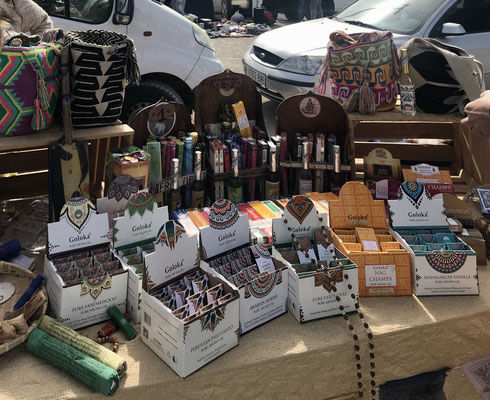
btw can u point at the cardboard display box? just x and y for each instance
(261, 280)
(383, 265)
(311, 294)
(80, 299)
(442, 264)
(465, 215)
(133, 236)
(185, 340)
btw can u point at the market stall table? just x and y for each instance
(24, 159)
(283, 359)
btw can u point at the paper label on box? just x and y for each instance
(263, 258)
(425, 169)
(79, 226)
(227, 230)
(380, 275)
(303, 259)
(416, 209)
(370, 245)
(325, 254)
(141, 221)
(175, 253)
(465, 232)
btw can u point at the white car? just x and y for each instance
(174, 54)
(287, 61)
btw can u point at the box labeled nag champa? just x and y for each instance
(315, 266)
(360, 231)
(189, 317)
(442, 264)
(83, 277)
(260, 279)
(133, 235)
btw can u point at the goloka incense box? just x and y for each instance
(260, 279)
(442, 264)
(83, 277)
(189, 317)
(384, 270)
(133, 236)
(311, 284)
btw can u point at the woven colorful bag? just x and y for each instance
(362, 71)
(29, 82)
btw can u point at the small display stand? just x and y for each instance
(308, 114)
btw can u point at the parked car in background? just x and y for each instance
(174, 54)
(287, 61)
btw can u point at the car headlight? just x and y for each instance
(306, 65)
(202, 37)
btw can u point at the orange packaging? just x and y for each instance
(348, 238)
(367, 238)
(384, 238)
(197, 218)
(385, 246)
(262, 209)
(425, 173)
(381, 273)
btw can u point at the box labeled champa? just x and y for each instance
(177, 324)
(133, 233)
(434, 179)
(442, 264)
(261, 280)
(310, 294)
(85, 300)
(384, 265)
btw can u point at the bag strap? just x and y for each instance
(463, 74)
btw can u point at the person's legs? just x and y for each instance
(320, 10)
(301, 10)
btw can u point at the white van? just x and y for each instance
(174, 54)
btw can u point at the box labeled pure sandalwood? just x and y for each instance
(383, 264)
(260, 279)
(83, 277)
(442, 264)
(189, 317)
(133, 236)
(313, 269)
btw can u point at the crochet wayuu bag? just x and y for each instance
(103, 63)
(29, 81)
(362, 71)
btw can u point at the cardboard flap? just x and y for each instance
(118, 194)
(356, 208)
(141, 220)
(415, 208)
(176, 252)
(300, 218)
(387, 189)
(79, 227)
(228, 229)
(380, 164)
(456, 208)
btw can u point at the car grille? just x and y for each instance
(266, 56)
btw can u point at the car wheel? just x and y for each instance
(144, 95)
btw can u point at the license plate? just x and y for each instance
(257, 76)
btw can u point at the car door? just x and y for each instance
(474, 17)
(72, 15)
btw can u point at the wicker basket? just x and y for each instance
(21, 279)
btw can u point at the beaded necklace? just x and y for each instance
(355, 337)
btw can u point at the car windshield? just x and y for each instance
(399, 16)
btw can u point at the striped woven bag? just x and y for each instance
(362, 70)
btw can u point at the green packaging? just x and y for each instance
(93, 373)
(122, 322)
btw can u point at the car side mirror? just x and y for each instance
(452, 29)
(124, 12)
